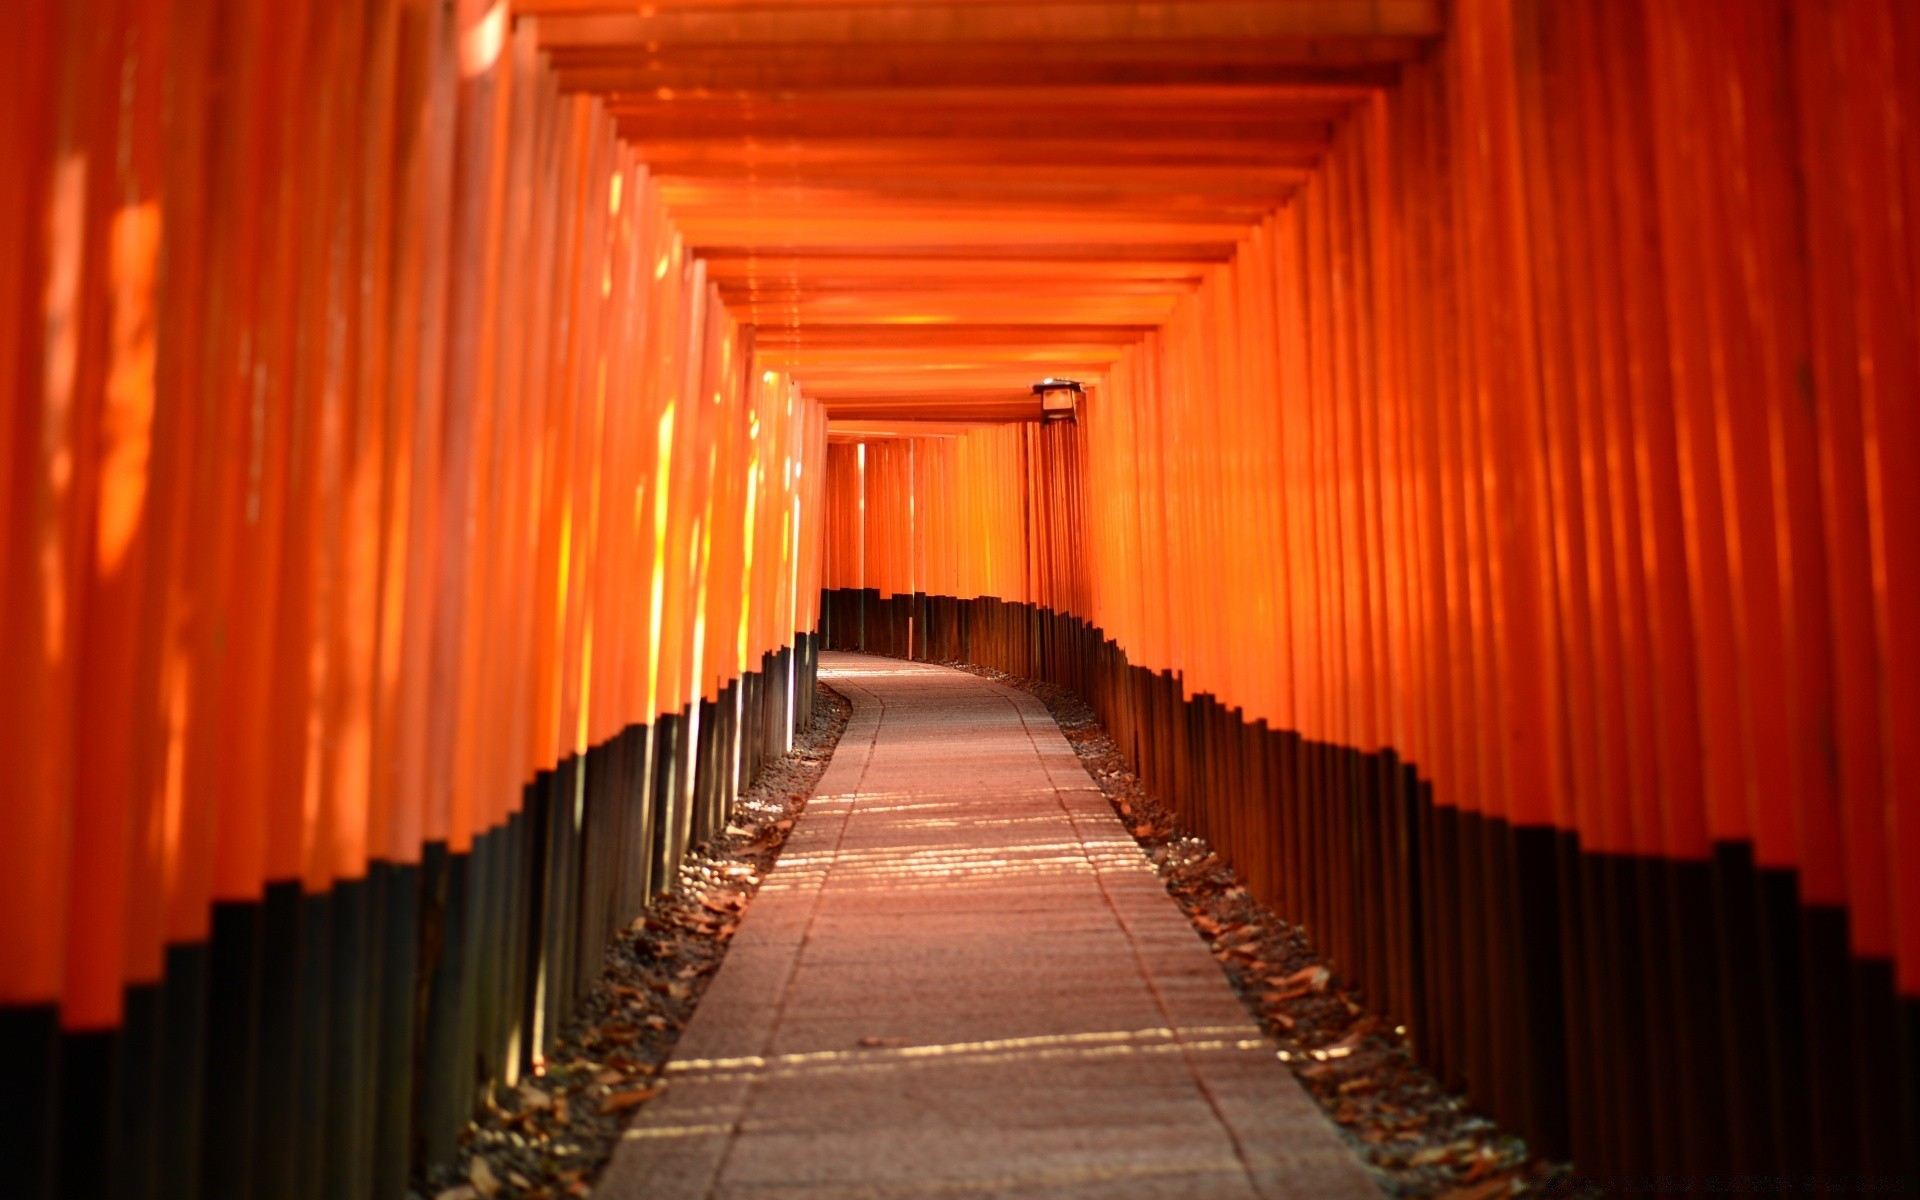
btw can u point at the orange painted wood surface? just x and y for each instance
(1540, 434)
(373, 443)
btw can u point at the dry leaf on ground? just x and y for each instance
(622, 1101)
(1314, 978)
(1486, 1189)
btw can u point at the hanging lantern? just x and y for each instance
(1059, 400)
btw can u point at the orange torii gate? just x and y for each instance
(433, 435)
(1506, 556)
(387, 612)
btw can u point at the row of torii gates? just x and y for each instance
(440, 436)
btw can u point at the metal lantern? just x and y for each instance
(1059, 400)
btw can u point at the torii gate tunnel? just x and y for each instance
(440, 434)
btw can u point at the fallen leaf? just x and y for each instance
(1314, 978)
(1345, 1045)
(622, 1101)
(783, 824)
(1485, 1162)
(1206, 925)
(1484, 1190)
(462, 1192)
(609, 1077)
(481, 1176)
(533, 1097)
(1439, 1154)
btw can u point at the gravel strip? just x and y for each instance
(551, 1137)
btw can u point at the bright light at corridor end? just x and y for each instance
(1059, 399)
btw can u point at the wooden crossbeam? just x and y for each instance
(924, 206)
(655, 27)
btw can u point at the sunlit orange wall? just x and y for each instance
(1561, 434)
(371, 442)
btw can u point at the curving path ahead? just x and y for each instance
(962, 979)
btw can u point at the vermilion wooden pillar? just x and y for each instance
(304, 594)
(1583, 547)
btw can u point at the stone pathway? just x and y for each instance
(963, 979)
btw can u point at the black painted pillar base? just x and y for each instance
(395, 999)
(88, 1081)
(1907, 1048)
(1537, 968)
(183, 1069)
(340, 1164)
(445, 1082)
(136, 1136)
(277, 1074)
(228, 1138)
(30, 1046)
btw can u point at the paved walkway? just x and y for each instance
(962, 979)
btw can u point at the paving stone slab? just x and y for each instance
(963, 979)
